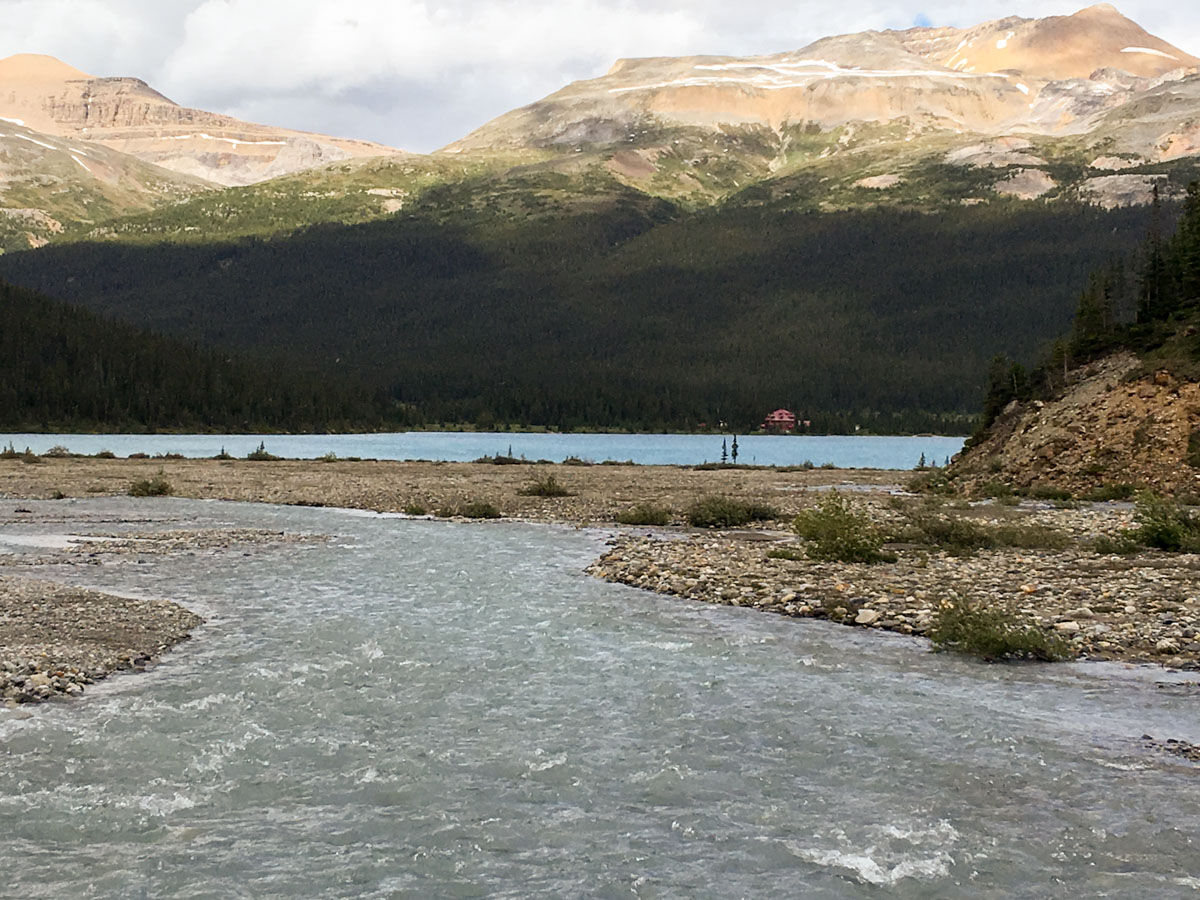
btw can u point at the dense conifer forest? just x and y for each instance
(630, 315)
(62, 367)
(1147, 301)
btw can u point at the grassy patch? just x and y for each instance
(645, 514)
(961, 536)
(966, 626)
(158, 486)
(545, 485)
(793, 555)
(1121, 545)
(726, 512)
(470, 509)
(838, 530)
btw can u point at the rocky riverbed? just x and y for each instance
(1139, 608)
(55, 639)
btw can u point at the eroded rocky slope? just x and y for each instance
(1115, 424)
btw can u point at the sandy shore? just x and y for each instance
(1138, 608)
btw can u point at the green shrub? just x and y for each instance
(223, 455)
(931, 481)
(962, 536)
(1048, 492)
(1119, 491)
(794, 555)
(158, 486)
(470, 509)
(414, 509)
(544, 485)
(261, 454)
(1193, 449)
(1165, 525)
(996, 489)
(499, 460)
(577, 461)
(726, 512)
(139, 455)
(329, 457)
(58, 451)
(1121, 545)
(964, 626)
(837, 530)
(106, 454)
(9, 452)
(645, 514)
(1030, 537)
(952, 533)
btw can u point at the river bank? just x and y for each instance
(55, 640)
(1141, 607)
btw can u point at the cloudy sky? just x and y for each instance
(418, 74)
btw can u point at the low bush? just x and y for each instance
(470, 509)
(950, 533)
(414, 509)
(139, 455)
(726, 512)
(931, 481)
(261, 454)
(158, 486)
(1030, 537)
(1048, 492)
(105, 454)
(838, 530)
(545, 485)
(645, 514)
(794, 555)
(1121, 545)
(1120, 491)
(577, 461)
(329, 457)
(965, 626)
(223, 455)
(58, 451)
(499, 460)
(957, 535)
(9, 452)
(1166, 525)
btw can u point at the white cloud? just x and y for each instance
(420, 73)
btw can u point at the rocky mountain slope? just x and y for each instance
(127, 115)
(53, 188)
(1014, 98)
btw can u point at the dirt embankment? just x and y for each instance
(1106, 429)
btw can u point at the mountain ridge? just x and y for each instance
(128, 115)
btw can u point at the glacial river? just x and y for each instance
(428, 709)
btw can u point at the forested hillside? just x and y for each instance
(66, 368)
(632, 313)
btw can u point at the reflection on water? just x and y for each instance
(425, 709)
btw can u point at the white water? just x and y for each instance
(426, 709)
